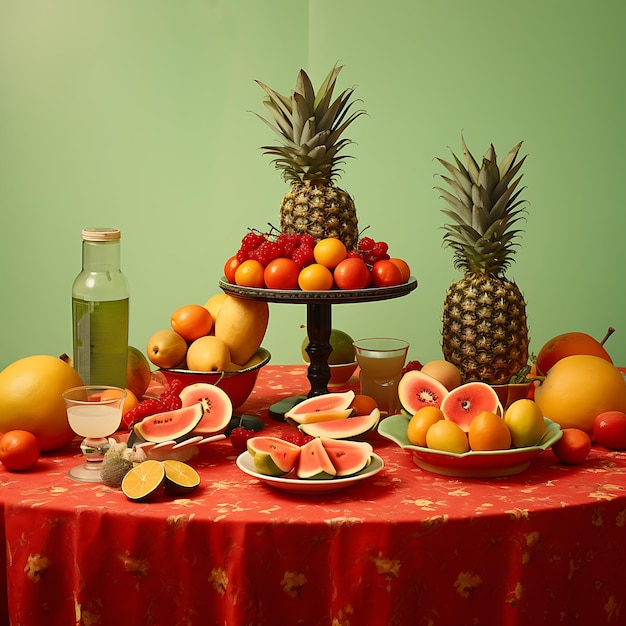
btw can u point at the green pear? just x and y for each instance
(342, 348)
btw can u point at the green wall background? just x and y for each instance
(137, 115)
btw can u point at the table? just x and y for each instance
(405, 548)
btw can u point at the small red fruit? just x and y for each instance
(352, 273)
(609, 430)
(239, 437)
(386, 274)
(19, 450)
(573, 447)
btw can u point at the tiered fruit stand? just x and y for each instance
(319, 317)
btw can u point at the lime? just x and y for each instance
(143, 481)
(179, 477)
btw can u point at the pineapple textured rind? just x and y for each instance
(310, 126)
(485, 331)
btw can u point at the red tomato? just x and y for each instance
(352, 273)
(230, 267)
(19, 449)
(281, 273)
(386, 274)
(609, 430)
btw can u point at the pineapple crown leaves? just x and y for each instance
(484, 206)
(310, 126)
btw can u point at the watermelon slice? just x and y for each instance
(465, 402)
(349, 428)
(170, 425)
(348, 457)
(273, 456)
(314, 462)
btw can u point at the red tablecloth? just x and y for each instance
(405, 547)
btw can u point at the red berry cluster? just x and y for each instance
(371, 251)
(265, 247)
(169, 400)
(296, 437)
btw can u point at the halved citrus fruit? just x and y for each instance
(180, 477)
(143, 480)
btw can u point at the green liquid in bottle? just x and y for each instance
(101, 341)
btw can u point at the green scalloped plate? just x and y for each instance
(473, 464)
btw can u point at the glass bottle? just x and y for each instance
(100, 296)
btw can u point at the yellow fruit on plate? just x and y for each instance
(447, 436)
(419, 424)
(525, 421)
(214, 304)
(137, 372)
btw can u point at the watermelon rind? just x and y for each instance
(417, 389)
(349, 428)
(314, 462)
(466, 401)
(218, 407)
(321, 416)
(170, 425)
(273, 456)
(348, 457)
(324, 402)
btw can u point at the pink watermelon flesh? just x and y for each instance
(417, 390)
(343, 429)
(324, 402)
(348, 457)
(314, 462)
(464, 403)
(284, 454)
(170, 425)
(218, 408)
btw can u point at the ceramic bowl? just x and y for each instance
(237, 384)
(340, 374)
(473, 464)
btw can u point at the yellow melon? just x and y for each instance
(578, 388)
(241, 325)
(30, 399)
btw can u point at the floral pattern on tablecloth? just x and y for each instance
(547, 546)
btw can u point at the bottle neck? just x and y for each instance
(101, 256)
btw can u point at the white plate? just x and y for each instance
(245, 462)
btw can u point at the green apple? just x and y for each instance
(342, 348)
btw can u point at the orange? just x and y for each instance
(180, 477)
(315, 277)
(447, 436)
(250, 274)
(573, 447)
(130, 401)
(404, 268)
(191, 321)
(143, 480)
(419, 424)
(363, 405)
(330, 252)
(489, 432)
(19, 450)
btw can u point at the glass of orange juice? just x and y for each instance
(381, 360)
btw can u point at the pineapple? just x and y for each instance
(310, 126)
(485, 333)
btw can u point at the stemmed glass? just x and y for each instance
(93, 412)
